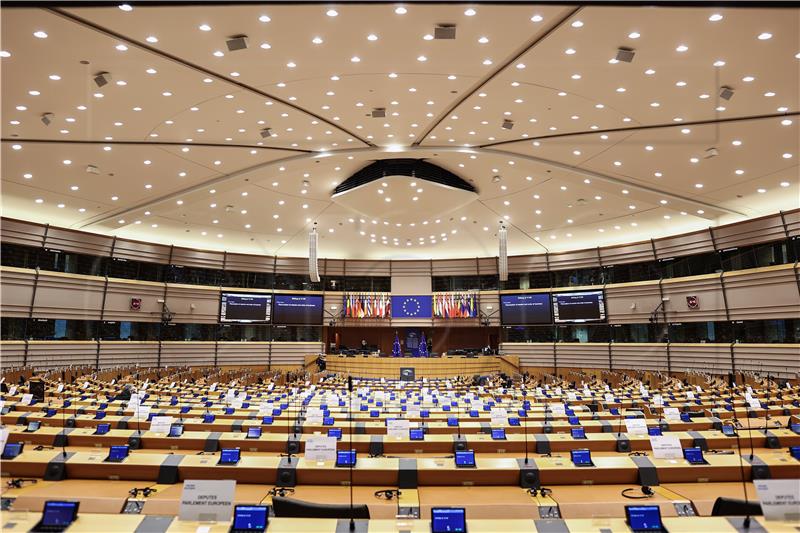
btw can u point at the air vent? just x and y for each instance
(379, 112)
(444, 31)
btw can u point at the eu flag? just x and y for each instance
(412, 306)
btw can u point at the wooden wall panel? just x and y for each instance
(577, 259)
(194, 304)
(530, 353)
(16, 291)
(22, 232)
(644, 296)
(191, 353)
(79, 242)
(639, 356)
(488, 266)
(118, 300)
(637, 252)
(779, 360)
(410, 268)
(293, 353)
(489, 302)
(12, 354)
(250, 263)
(747, 232)
(141, 251)
(697, 242)
(291, 265)
(198, 258)
(117, 353)
(708, 290)
(455, 267)
(48, 354)
(582, 355)
(792, 219)
(711, 358)
(243, 353)
(332, 306)
(355, 267)
(332, 267)
(69, 296)
(763, 293)
(527, 263)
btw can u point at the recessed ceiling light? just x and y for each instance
(705, 96)
(483, 40)
(787, 156)
(121, 47)
(761, 191)
(716, 17)
(569, 51)
(114, 198)
(649, 72)
(332, 13)
(22, 108)
(764, 36)
(204, 27)
(372, 37)
(5, 53)
(422, 59)
(317, 40)
(634, 35)
(151, 71)
(698, 185)
(694, 160)
(785, 184)
(786, 122)
(748, 79)
(400, 10)
(719, 63)
(291, 64)
(355, 59)
(125, 7)
(470, 12)
(577, 24)
(681, 48)
(680, 83)
(40, 34)
(39, 201)
(152, 39)
(264, 18)
(769, 94)
(537, 18)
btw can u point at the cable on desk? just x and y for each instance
(387, 494)
(278, 491)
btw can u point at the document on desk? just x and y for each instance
(397, 428)
(320, 448)
(161, 424)
(666, 447)
(636, 426)
(780, 499)
(207, 500)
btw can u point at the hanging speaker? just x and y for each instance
(313, 269)
(502, 263)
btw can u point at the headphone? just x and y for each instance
(387, 494)
(647, 492)
(146, 491)
(280, 491)
(17, 483)
(540, 491)
(638, 454)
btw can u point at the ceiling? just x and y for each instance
(599, 152)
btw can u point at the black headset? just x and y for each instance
(387, 494)
(146, 491)
(647, 492)
(540, 491)
(18, 482)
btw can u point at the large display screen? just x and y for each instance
(525, 308)
(579, 306)
(241, 307)
(297, 309)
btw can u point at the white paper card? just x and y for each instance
(12, 391)
(60, 387)
(397, 428)
(161, 424)
(672, 413)
(666, 447)
(207, 501)
(321, 448)
(780, 499)
(26, 399)
(636, 426)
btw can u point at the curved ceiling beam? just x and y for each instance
(374, 150)
(644, 128)
(184, 63)
(158, 144)
(491, 75)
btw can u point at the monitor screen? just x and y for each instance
(335, 432)
(448, 520)
(573, 420)
(694, 455)
(34, 425)
(99, 415)
(207, 418)
(175, 430)
(794, 451)
(298, 309)
(345, 458)
(643, 517)
(416, 434)
(465, 458)
(654, 431)
(267, 420)
(498, 434)
(513, 421)
(12, 449)
(581, 457)
(229, 456)
(327, 421)
(57, 514)
(520, 309)
(250, 518)
(452, 421)
(578, 433)
(118, 453)
(795, 427)
(102, 429)
(253, 433)
(241, 307)
(728, 430)
(579, 306)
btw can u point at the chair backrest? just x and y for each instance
(734, 507)
(292, 508)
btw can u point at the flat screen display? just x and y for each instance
(498, 434)
(465, 458)
(346, 458)
(102, 429)
(448, 520)
(12, 450)
(59, 514)
(643, 517)
(694, 455)
(525, 308)
(578, 433)
(581, 457)
(229, 456)
(297, 309)
(250, 518)
(246, 308)
(586, 306)
(335, 433)
(118, 453)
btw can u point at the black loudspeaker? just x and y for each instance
(37, 389)
(529, 478)
(731, 380)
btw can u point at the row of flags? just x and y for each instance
(455, 305)
(366, 305)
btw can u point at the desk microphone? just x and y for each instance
(350, 450)
(525, 427)
(63, 428)
(746, 521)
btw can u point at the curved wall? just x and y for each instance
(761, 293)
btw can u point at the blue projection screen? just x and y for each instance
(525, 308)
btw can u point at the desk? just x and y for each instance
(427, 367)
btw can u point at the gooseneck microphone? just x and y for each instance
(746, 521)
(350, 450)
